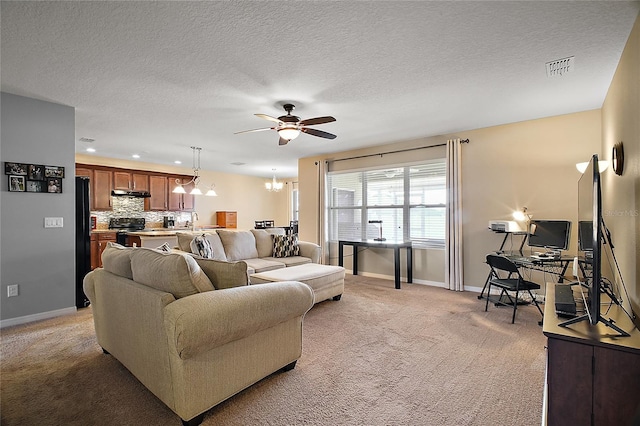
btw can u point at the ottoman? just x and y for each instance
(327, 281)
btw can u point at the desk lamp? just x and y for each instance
(523, 216)
(380, 237)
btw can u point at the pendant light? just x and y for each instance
(195, 179)
(274, 185)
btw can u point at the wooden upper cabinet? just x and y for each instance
(180, 202)
(140, 181)
(102, 186)
(122, 180)
(85, 172)
(158, 189)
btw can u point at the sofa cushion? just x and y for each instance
(224, 274)
(285, 245)
(117, 260)
(185, 238)
(262, 265)
(264, 243)
(238, 245)
(200, 246)
(173, 273)
(289, 261)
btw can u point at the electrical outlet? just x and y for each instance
(53, 222)
(12, 290)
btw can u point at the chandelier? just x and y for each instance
(274, 185)
(179, 189)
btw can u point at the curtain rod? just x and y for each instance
(393, 152)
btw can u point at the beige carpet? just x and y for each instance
(380, 356)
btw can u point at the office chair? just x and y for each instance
(501, 265)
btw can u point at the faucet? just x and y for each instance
(194, 217)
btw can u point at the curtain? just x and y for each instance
(453, 237)
(321, 231)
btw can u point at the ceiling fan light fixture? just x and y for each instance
(289, 133)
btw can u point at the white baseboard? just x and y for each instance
(36, 317)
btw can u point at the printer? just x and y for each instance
(505, 226)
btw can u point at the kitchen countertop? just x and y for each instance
(167, 232)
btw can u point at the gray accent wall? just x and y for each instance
(40, 260)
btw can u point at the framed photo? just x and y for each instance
(35, 172)
(35, 186)
(17, 169)
(16, 183)
(54, 171)
(54, 185)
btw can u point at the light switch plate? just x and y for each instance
(53, 222)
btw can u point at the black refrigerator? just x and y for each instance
(83, 239)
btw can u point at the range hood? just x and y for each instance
(128, 193)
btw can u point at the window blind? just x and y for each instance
(409, 200)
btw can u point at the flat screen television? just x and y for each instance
(591, 244)
(550, 234)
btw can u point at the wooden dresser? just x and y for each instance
(227, 219)
(593, 377)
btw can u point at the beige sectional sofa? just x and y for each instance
(256, 248)
(184, 330)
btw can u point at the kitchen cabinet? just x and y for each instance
(85, 172)
(102, 186)
(180, 202)
(99, 241)
(122, 180)
(227, 219)
(158, 189)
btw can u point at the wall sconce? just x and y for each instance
(617, 158)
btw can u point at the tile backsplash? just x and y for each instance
(134, 207)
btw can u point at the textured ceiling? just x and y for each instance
(155, 78)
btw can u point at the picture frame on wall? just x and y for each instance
(54, 185)
(54, 171)
(35, 172)
(17, 169)
(35, 186)
(17, 183)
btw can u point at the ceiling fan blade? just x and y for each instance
(255, 130)
(270, 118)
(318, 133)
(283, 141)
(317, 120)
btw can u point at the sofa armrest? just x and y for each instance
(310, 250)
(201, 322)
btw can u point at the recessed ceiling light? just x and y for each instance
(91, 150)
(135, 156)
(177, 162)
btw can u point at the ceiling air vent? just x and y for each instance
(89, 140)
(560, 67)
(237, 163)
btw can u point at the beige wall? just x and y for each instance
(504, 168)
(621, 194)
(245, 194)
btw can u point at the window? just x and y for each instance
(409, 200)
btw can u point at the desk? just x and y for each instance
(395, 245)
(561, 264)
(592, 377)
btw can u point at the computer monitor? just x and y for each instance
(550, 234)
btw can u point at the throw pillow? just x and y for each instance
(165, 247)
(117, 260)
(285, 245)
(202, 247)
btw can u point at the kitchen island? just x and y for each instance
(155, 237)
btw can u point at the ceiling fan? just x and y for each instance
(289, 126)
